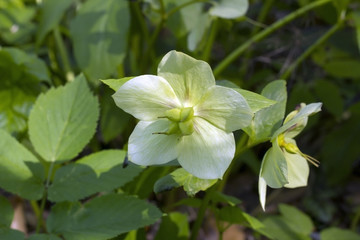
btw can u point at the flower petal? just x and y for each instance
(298, 119)
(262, 192)
(274, 167)
(298, 170)
(207, 152)
(190, 78)
(146, 148)
(225, 108)
(146, 97)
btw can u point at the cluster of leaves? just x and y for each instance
(51, 150)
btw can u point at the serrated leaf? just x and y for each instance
(101, 171)
(99, 33)
(10, 234)
(180, 177)
(115, 84)
(63, 121)
(173, 226)
(268, 120)
(43, 237)
(20, 172)
(334, 233)
(21, 75)
(51, 14)
(229, 9)
(7, 212)
(101, 218)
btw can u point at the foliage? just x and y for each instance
(230, 69)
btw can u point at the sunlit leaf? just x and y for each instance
(20, 172)
(99, 33)
(115, 84)
(101, 218)
(101, 171)
(179, 178)
(63, 121)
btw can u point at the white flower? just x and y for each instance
(284, 165)
(183, 115)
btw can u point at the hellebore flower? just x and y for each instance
(183, 115)
(284, 165)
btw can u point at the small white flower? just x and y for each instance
(183, 115)
(284, 165)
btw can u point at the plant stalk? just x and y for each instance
(264, 33)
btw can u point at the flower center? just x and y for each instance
(181, 121)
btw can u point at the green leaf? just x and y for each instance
(99, 33)
(115, 84)
(255, 101)
(180, 177)
(50, 16)
(198, 30)
(43, 237)
(174, 226)
(340, 5)
(334, 233)
(230, 9)
(223, 198)
(329, 94)
(7, 212)
(20, 172)
(10, 234)
(16, 22)
(101, 171)
(277, 227)
(101, 218)
(298, 221)
(21, 75)
(63, 121)
(268, 120)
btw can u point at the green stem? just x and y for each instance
(201, 214)
(311, 49)
(63, 54)
(264, 33)
(210, 41)
(177, 8)
(40, 221)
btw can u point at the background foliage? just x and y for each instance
(60, 127)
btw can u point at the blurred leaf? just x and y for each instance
(338, 63)
(175, 225)
(101, 218)
(115, 84)
(20, 172)
(198, 30)
(297, 220)
(15, 22)
(99, 33)
(340, 5)
(101, 171)
(268, 120)
(329, 94)
(113, 120)
(7, 212)
(11, 234)
(342, 143)
(63, 121)
(180, 177)
(223, 198)
(230, 9)
(334, 233)
(191, 202)
(20, 77)
(50, 16)
(43, 237)
(292, 224)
